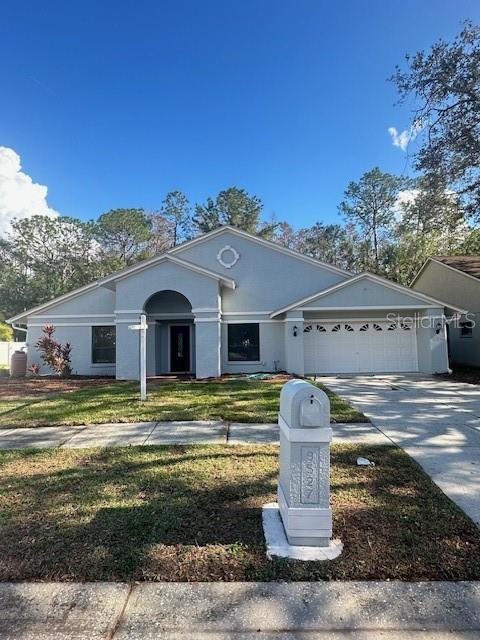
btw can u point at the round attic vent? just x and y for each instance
(228, 256)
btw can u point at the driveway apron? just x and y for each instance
(435, 420)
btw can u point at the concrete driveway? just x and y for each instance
(436, 421)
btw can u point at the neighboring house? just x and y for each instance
(457, 280)
(230, 302)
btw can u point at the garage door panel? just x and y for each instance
(353, 347)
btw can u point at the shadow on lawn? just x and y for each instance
(235, 401)
(194, 513)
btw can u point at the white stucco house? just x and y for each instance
(457, 280)
(230, 302)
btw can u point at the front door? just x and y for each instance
(179, 348)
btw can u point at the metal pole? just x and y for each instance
(143, 357)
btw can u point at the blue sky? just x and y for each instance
(113, 104)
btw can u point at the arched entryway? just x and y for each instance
(170, 335)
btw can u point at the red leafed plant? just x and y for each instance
(54, 354)
(34, 368)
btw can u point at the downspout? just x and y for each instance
(17, 328)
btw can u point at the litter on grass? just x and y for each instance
(364, 462)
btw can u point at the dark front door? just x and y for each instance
(180, 348)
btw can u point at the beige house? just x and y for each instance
(456, 279)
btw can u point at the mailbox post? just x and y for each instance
(304, 484)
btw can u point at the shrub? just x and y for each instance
(34, 368)
(6, 333)
(54, 354)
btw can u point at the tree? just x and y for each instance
(428, 207)
(176, 211)
(431, 221)
(161, 233)
(370, 205)
(445, 86)
(6, 332)
(232, 206)
(285, 235)
(44, 258)
(124, 236)
(329, 243)
(471, 245)
(207, 216)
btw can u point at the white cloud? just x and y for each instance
(20, 197)
(402, 139)
(407, 196)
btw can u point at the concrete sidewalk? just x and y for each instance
(170, 611)
(151, 433)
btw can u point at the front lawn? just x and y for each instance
(228, 399)
(194, 513)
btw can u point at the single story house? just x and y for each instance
(457, 280)
(231, 302)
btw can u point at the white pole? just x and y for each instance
(143, 357)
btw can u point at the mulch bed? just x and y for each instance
(33, 386)
(462, 373)
(43, 386)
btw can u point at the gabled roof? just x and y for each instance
(365, 276)
(51, 303)
(166, 257)
(467, 265)
(171, 256)
(110, 281)
(266, 243)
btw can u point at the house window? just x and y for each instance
(466, 329)
(243, 342)
(103, 345)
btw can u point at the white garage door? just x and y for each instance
(351, 347)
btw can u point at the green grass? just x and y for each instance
(238, 400)
(194, 513)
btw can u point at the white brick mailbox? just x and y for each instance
(304, 484)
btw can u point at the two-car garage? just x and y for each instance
(367, 324)
(359, 346)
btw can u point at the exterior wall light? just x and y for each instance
(295, 330)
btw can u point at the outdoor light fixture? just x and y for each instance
(295, 329)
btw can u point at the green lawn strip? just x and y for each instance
(192, 513)
(240, 400)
